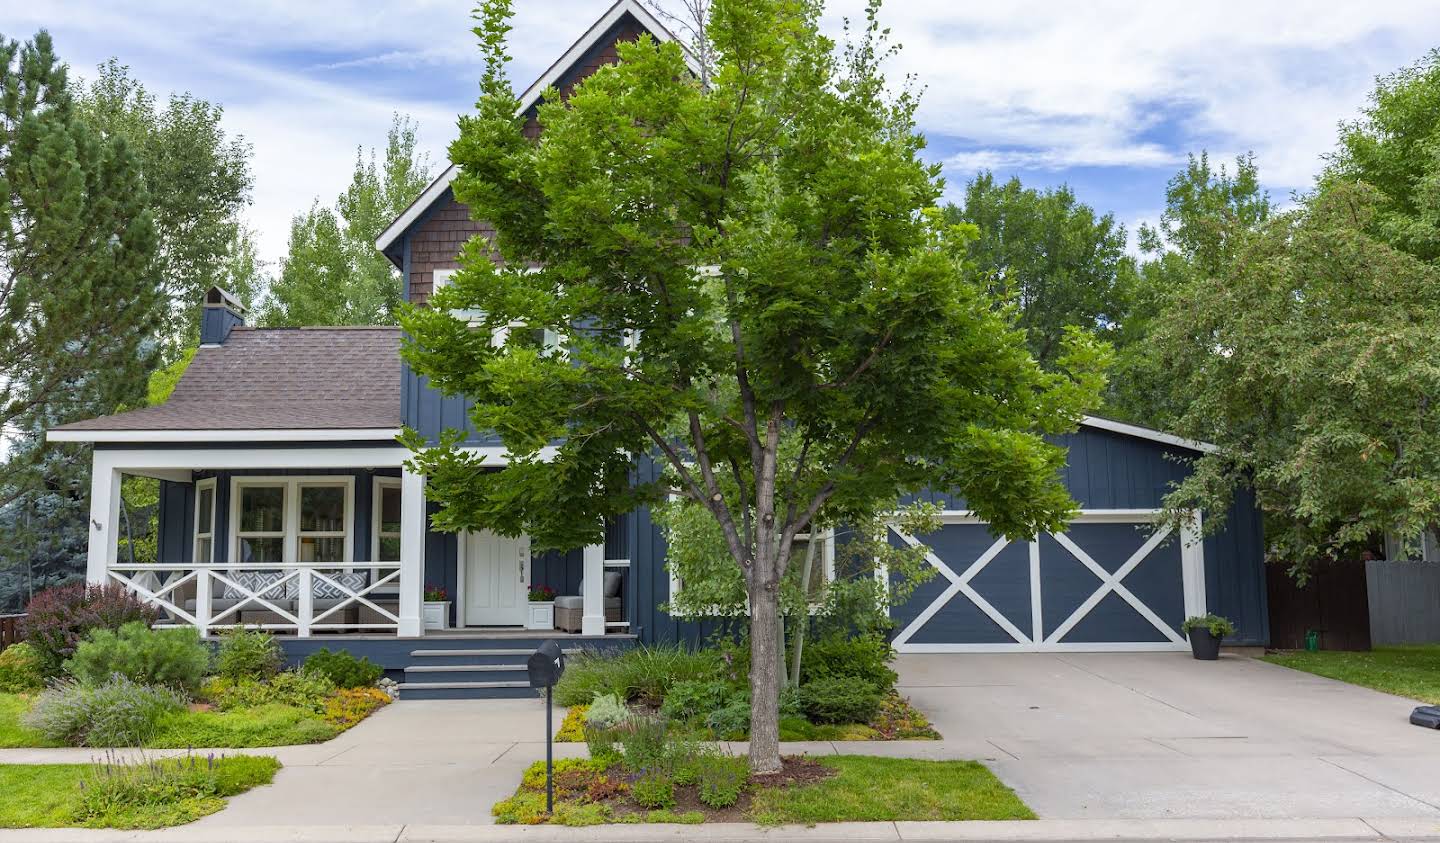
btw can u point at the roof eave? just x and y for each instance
(330, 434)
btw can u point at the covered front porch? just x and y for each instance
(329, 539)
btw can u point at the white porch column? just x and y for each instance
(592, 619)
(104, 517)
(412, 551)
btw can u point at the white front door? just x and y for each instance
(497, 571)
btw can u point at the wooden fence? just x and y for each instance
(1404, 602)
(9, 630)
(1333, 604)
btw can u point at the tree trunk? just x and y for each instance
(764, 674)
(804, 622)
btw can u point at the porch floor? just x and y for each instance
(474, 633)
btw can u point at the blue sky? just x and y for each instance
(1106, 96)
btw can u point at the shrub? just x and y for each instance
(20, 669)
(344, 669)
(732, 722)
(349, 706)
(694, 698)
(58, 619)
(642, 674)
(721, 780)
(606, 711)
(794, 728)
(118, 789)
(301, 689)
(837, 699)
(865, 659)
(119, 712)
(644, 740)
(790, 702)
(175, 657)
(653, 790)
(248, 654)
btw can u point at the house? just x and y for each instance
(286, 503)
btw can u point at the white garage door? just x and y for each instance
(1112, 581)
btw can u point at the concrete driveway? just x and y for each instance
(1161, 735)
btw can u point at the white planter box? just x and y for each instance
(436, 614)
(542, 615)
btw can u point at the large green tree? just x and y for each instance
(1052, 256)
(333, 274)
(79, 299)
(198, 181)
(732, 264)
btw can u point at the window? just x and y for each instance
(385, 543)
(547, 340)
(282, 519)
(441, 278)
(204, 550)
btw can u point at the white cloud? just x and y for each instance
(1027, 84)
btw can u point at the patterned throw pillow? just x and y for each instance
(259, 582)
(354, 581)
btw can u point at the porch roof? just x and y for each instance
(277, 379)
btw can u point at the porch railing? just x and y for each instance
(10, 630)
(622, 565)
(300, 598)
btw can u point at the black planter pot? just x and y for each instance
(1204, 644)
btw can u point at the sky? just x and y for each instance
(1108, 97)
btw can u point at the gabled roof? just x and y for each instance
(341, 380)
(552, 75)
(1142, 432)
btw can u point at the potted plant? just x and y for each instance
(1205, 633)
(436, 610)
(542, 608)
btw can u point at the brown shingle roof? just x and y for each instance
(280, 379)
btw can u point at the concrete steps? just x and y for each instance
(480, 669)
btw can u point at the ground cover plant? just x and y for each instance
(1408, 671)
(113, 794)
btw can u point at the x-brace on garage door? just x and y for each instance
(1114, 580)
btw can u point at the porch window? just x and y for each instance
(260, 529)
(204, 551)
(282, 520)
(385, 543)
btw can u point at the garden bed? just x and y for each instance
(842, 788)
(152, 794)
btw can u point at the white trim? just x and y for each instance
(1046, 647)
(208, 483)
(1148, 433)
(290, 551)
(412, 552)
(329, 434)
(531, 95)
(378, 483)
(1192, 565)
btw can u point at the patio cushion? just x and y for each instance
(574, 601)
(322, 590)
(613, 581)
(259, 582)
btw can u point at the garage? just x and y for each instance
(1114, 580)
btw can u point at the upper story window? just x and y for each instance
(547, 340)
(292, 519)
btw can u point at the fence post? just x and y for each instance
(307, 601)
(202, 600)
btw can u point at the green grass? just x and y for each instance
(266, 725)
(48, 796)
(870, 789)
(12, 733)
(1409, 671)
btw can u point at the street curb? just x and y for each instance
(1037, 831)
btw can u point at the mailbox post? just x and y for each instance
(546, 665)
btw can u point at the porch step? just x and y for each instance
(496, 651)
(465, 690)
(460, 658)
(451, 673)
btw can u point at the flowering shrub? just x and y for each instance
(541, 593)
(436, 594)
(119, 712)
(58, 619)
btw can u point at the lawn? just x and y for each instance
(261, 726)
(1409, 671)
(871, 789)
(51, 796)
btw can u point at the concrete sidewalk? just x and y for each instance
(1039, 831)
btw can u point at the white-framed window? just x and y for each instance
(385, 520)
(441, 278)
(204, 548)
(549, 341)
(292, 519)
